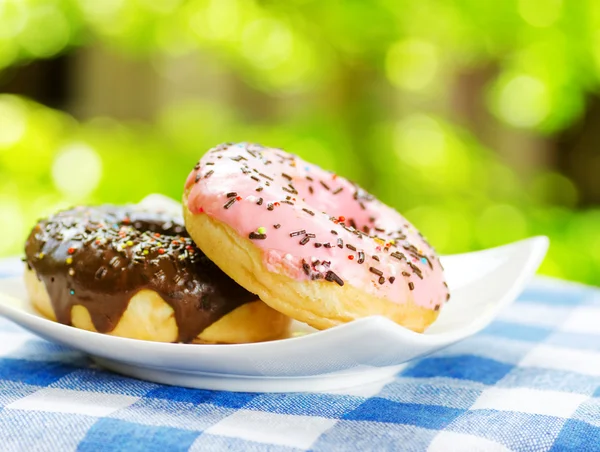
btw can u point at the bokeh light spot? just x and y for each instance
(46, 33)
(420, 141)
(500, 224)
(411, 64)
(76, 171)
(540, 13)
(13, 121)
(522, 101)
(12, 223)
(266, 43)
(13, 17)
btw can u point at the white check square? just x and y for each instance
(55, 400)
(585, 319)
(561, 358)
(533, 401)
(448, 441)
(11, 342)
(271, 428)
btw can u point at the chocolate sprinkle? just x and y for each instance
(381, 280)
(411, 286)
(310, 189)
(297, 233)
(277, 226)
(376, 271)
(350, 247)
(256, 236)
(392, 279)
(259, 202)
(231, 194)
(361, 257)
(325, 186)
(310, 212)
(331, 276)
(207, 175)
(304, 240)
(305, 267)
(229, 203)
(338, 190)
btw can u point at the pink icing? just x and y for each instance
(250, 187)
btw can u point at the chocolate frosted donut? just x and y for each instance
(138, 267)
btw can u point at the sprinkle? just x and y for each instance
(285, 201)
(145, 252)
(309, 235)
(260, 189)
(334, 232)
(71, 272)
(255, 236)
(101, 273)
(309, 178)
(376, 271)
(305, 267)
(310, 212)
(255, 178)
(277, 226)
(361, 257)
(262, 230)
(331, 276)
(270, 206)
(351, 257)
(341, 218)
(350, 247)
(296, 233)
(338, 190)
(209, 163)
(310, 189)
(362, 205)
(71, 250)
(287, 176)
(72, 292)
(437, 307)
(259, 202)
(392, 279)
(161, 251)
(198, 177)
(231, 194)
(447, 296)
(327, 245)
(69, 260)
(288, 257)
(411, 286)
(289, 190)
(40, 256)
(265, 176)
(405, 274)
(207, 175)
(381, 280)
(129, 243)
(304, 240)
(325, 186)
(230, 203)
(376, 258)
(398, 255)
(340, 243)
(318, 245)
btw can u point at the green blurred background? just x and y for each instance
(478, 119)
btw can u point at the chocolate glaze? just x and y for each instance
(100, 257)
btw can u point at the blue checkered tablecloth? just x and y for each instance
(529, 382)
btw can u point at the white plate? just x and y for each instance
(359, 352)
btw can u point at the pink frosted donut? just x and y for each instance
(311, 244)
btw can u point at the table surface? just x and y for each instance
(528, 382)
